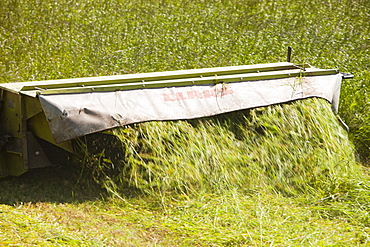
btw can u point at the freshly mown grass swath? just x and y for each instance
(292, 149)
(222, 180)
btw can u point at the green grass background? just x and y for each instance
(65, 39)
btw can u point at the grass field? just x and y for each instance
(305, 186)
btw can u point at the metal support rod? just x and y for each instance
(289, 54)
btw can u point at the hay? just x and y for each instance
(292, 149)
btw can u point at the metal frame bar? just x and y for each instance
(215, 79)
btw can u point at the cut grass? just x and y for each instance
(243, 208)
(231, 168)
(292, 149)
(230, 219)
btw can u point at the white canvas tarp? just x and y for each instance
(74, 115)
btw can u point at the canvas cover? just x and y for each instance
(74, 115)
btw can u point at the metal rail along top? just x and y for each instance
(38, 115)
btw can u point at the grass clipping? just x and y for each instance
(290, 149)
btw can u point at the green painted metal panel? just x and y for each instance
(12, 124)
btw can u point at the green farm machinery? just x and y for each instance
(40, 118)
